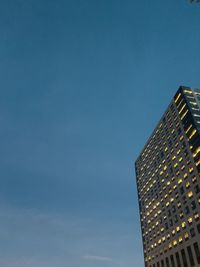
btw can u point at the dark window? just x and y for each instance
(154, 265)
(167, 262)
(182, 190)
(197, 252)
(198, 228)
(197, 189)
(185, 152)
(191, 258)
(184, 199)
(192, 232)
(185, 264)
(162, 263)
(193, 205)
(178, 260)
(187, 211)
(176, 218)
(184, 145)
(158, 264)
(172, 260)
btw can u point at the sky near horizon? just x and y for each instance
(83, 84)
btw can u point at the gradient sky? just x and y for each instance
(83, 84)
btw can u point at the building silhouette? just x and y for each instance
(168, 183)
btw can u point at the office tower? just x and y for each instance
(168, 182)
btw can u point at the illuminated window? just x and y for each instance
(180, 239)
(190, 194)
(196, 216)
(180, 181)
(184, 114)
(183, 224)
(192, 134)
(196, 152)
(186, 236)
(187, 91)
(187, 184)
(190, 220)
(177, 98)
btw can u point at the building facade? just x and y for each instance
(168, 183)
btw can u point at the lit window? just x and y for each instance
(180, 181)
(196, 152)
(190, 194)
(190, 220)
(196, 216)
(187, 91)
(188, 128)
(187, 184)
(186, 236)
(182, 108)
(184, 114)
(183, 225)
(177, 98)
(193, 133)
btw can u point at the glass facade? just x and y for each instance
(168, 183)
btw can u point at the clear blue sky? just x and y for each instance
(82, 85)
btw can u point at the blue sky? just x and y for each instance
(83, 84)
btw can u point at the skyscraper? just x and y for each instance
(168, 183)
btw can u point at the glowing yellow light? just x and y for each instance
(180, 181)
(190, 220)
(183, 224)
(184, 114)
(188, 128)
(187, 91)
(192, 134)
(182, 108)
(186, 235)
(190, 194)
(177, 98)
(180, 239)
(196, 152)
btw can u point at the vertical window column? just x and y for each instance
(178, 260)
(185, 264)
(197, 252)
(191, 258)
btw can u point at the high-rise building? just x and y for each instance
(168, 183)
